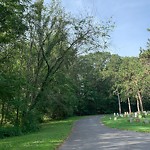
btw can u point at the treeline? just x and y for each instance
(115, 84)
(39, 46)
(46, 72)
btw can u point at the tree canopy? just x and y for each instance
(52, 66)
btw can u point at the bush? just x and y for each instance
(30, 122)
(9, 131)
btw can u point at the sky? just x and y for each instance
(131, 17)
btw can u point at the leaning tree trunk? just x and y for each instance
(129, 105)
(138, 105)
(119, 103)
(140, 100)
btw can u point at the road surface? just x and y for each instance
(90, 134)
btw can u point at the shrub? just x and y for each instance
(9, 131)
(30, 122)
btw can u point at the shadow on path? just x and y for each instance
(90, 134)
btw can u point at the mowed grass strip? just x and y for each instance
(50, 136)
(123, 124)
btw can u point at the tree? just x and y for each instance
(144, 57)
(57, 34)
(37, 61)
(11, 20)
(112, 71)
(41, 56)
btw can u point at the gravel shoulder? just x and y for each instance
(90, 134)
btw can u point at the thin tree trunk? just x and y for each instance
(6, 113)
(140, 100)
(17, 117)
(119, 103)
(2, 113)
(129, 105)
(138, 105)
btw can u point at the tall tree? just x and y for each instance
(11, 20)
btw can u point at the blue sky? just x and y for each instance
(132, 18)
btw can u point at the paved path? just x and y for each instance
(90, 134)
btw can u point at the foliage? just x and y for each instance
(11, 24)
(36, 54)
(51, 65)
(9, 131)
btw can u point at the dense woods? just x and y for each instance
(53, 65)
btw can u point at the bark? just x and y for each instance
(138, 105)
(129, 105)
(17, 117)
(2, 113)
(119, 103)
(140, 100)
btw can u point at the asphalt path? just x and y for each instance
(90, 134)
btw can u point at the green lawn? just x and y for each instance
(48, 138)
(124, 124)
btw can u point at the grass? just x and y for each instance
(50, 136)
(123, 124)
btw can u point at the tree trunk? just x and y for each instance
(129, 105)
(119, 103)
(140, 100)
(17, 117)
(2, 113)
(138, 106)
